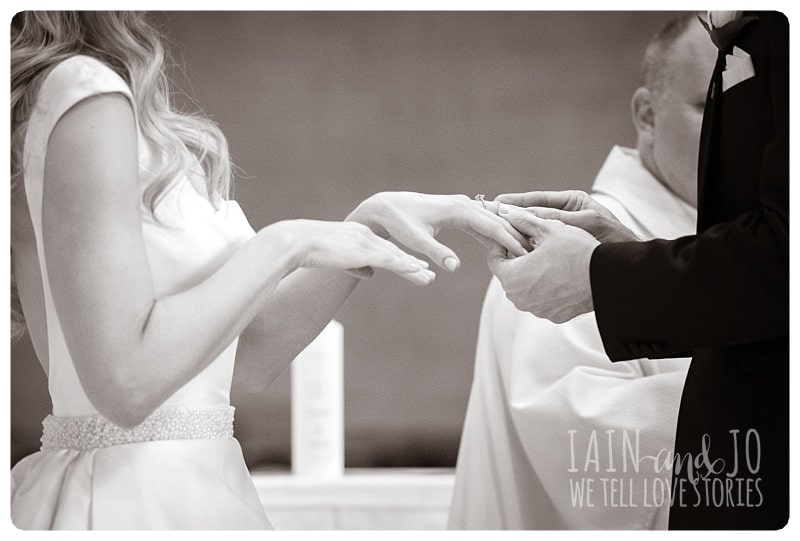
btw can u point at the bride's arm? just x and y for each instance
(307, 300)
(298, 310)
(132, 349)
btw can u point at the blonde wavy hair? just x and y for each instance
(127, 43)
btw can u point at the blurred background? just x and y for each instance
(323, 109)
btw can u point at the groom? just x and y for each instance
(722, 294)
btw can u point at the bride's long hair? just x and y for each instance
(133, 48)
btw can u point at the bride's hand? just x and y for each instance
(351, 247)
(414, 220)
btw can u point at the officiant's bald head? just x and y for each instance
(668, 108)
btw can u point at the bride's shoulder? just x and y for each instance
(68, 83)
(80, 76)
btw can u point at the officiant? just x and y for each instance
(544, 394)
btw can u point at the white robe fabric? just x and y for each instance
(550, 415)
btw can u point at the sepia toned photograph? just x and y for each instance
(399, 270)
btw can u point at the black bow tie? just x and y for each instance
(724, 35)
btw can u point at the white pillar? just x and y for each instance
(318, 406)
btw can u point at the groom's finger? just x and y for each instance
(551, 214)
(588, 220)
(564, 200)
(496, 258)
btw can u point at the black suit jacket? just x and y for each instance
(722, 294)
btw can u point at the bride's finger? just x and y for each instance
(519, 237)
(388, 256)
(499, 230)
(421, 241)
(488, 243)
(361, 272)
(485, 241)
(492, 208)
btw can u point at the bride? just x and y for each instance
(141, 283)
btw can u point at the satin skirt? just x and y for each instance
(174, 484)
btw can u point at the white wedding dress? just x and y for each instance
(181, 468)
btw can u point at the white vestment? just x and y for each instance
(552, 427)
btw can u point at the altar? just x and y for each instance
(361, 499)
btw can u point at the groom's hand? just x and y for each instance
(573, 207)
(552, 281)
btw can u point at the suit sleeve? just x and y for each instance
(728, 285)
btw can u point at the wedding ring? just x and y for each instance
(480, 197)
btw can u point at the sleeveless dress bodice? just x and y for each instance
(162, 484)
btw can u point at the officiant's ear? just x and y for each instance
(644, 117)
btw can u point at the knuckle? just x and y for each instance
(459, 200)
(578, 196)
(442, 252)
(380, 197)
(360, 229)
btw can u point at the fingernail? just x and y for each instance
(424, 264)
(414, 267)
(450, 263)
(426, 276)
(502, 209)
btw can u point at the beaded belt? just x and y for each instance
(169, 423)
